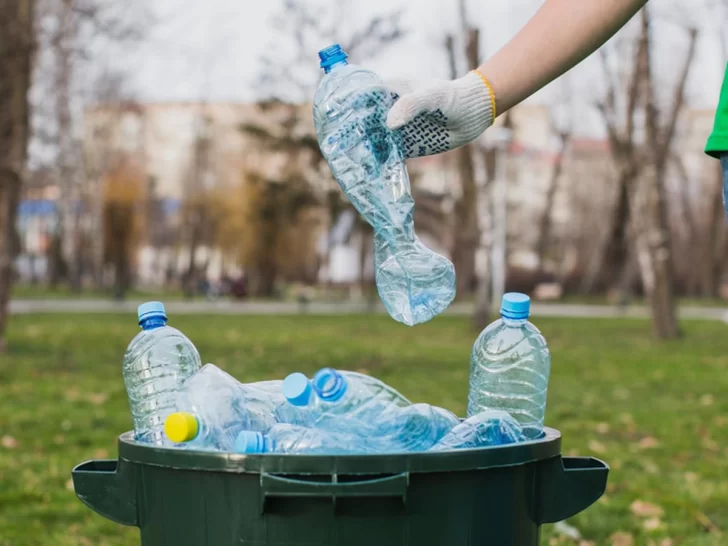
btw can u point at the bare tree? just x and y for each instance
(70, 41)
(641, 166)
(544, 235)
(16, 50)
(466, 232)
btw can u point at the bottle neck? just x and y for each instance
(153, 322)
(514, 323)
(335, 66)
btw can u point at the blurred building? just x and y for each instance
(37, 221)
(181, 149)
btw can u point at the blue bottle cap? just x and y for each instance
(329, 384)
(297, 389)
(151, 309)
(331, 56)
(249, 441)
(515, 305)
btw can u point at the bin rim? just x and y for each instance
(546, 447)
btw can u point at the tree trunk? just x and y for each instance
(546, 218)
(655, 233)
(465, 241)
(68, 160)
(16, 48)
(482, 315)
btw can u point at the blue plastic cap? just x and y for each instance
(329, 384)
(297, 389)
(151, 309)
(332, 55)
(249, 441)
(515, 305)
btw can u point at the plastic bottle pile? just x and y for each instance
(175, 402)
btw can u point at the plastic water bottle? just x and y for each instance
(338, 402)
(350, 110)
(488, 428)
(190, 431)
(333, 400)
(415, 428)
(285, 438)
(510, 366)
(213, 407)
(156, 362)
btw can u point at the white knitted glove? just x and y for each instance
(442, 116)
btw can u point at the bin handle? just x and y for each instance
(567, 485)
(107, 487)
(273, 486)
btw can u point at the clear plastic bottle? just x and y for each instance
(488, 428)
(510, 366)
(350, 110)
(415, 428)
(221, 407)
(292, 439)
(333, 400)
(339, 402)
(156, 363)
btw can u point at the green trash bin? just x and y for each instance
(482, 497)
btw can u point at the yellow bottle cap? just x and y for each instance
(181, 427)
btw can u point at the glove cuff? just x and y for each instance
(478, 100)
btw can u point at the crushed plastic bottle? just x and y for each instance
(221, 407)
(292, 439)
(333, 400)
(510, 366)
(413, 429)
(341, 403)
(156, 363)
(350, 109)
(488, 428)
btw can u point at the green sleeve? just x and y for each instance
(718, 141)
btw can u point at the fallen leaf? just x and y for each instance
(101, 454)
(691, 477)
(69, 484)
(98, 398)
(645, 509)
(587, 543)
(621, 538)
(603, 428)
(648, 442)
(73, 394)
(9, 442)
(564, 529)
(652, 524)
(621, 393)
(721, 420)
(597, 447)
(666, 542)
(707, 400)
(710, 444)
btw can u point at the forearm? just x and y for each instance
(559, 36)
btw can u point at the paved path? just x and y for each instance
(224, 307)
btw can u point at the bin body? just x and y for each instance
(487, 497)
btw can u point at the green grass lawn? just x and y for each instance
(658, 414)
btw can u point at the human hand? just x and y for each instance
(442, 116)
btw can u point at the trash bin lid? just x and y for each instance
(549, 445)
